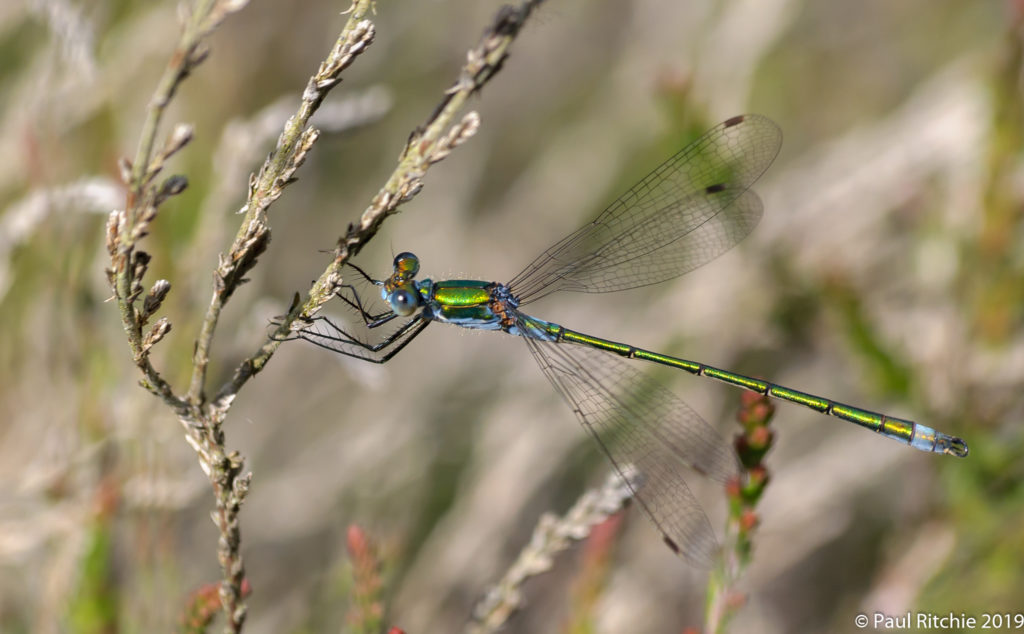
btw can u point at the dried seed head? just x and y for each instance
(113, 231)
(469, 125)
(456, 136)
(231, 6)
(124, 168)
(309, 137)
(140, 262)
(173, 186)
(155, 298)
(240, 487)
(362, 36)
(146, 214)
(156, 333)
(179, 138)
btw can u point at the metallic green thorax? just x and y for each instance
(462, 301)
(462, 292)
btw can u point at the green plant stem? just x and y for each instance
(426, 146)
(181, 63)
(277, 172)
(743, 493)
(177, 69)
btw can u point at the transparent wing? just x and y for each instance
(689, 210)
(638, 422)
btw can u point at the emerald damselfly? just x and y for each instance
(695, 206)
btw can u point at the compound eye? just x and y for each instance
(403, 302)
(407, 265)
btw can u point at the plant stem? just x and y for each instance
(427, 145)
(723, 600)
(277, 172)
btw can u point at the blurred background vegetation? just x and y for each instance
(887, 273)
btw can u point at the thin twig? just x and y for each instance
(427, 145)
(277, 172)
(551, 536)
(125, 227)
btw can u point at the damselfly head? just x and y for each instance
(407, 265)
(399, 289)
(403, 301)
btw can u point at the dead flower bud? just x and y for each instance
(180, 136)
(124, 168)
(155, 298)
(153, 337)
(173, 186)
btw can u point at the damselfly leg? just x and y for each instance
(371, 320)
(324, 332)
(376, 344)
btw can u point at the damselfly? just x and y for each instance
(691, 209)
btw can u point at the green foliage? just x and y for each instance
(95, 603)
